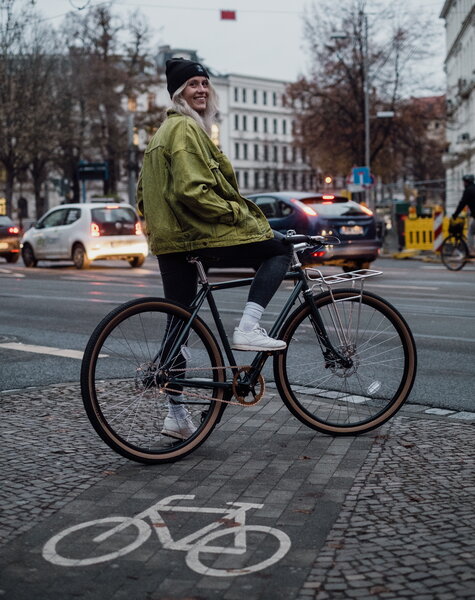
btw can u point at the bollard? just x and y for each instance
(438, 222)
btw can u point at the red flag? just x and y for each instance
(228, 15)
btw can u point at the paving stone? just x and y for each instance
(386, 515)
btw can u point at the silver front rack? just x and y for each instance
(352, 277)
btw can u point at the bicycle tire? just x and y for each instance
(124, 385)
(339, 401)
(454, 253)
(195, 564)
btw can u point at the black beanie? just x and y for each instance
(179, 70)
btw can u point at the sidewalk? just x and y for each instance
(385, 515)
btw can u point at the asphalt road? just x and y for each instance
(48, 313)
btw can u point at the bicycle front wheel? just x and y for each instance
(128, 374)
(454, 252)
(346, 400)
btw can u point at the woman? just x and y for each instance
(188, 194)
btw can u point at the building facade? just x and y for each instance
(459, 159)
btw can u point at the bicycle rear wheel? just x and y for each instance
(454, 252)
(336, 400)
(127, 372)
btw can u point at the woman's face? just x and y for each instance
(196, 93)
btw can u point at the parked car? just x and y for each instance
(325, 214)
(9, 240)
(86, 232)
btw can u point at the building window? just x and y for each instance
(284, 127)
(266, 180)
(284, 154)
(276, 153)
(236, 150)
(275, 125)
(244, 151)
(284, 180)
(244, 95)
(256, 151)
(256, 180)
(254, 96)
(256, 124)
(151, 101)
(236, 122)
(274, 98)
(236, 94)
(294, 181)
(246, 179)
(244, 123)
(264, 97)
(266, 152)
(294, 154)
(265, 124)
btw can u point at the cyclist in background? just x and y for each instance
(468, 200)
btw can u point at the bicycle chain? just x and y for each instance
(241, 400)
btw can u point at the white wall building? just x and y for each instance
(459, 160)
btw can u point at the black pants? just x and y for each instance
(180, 278)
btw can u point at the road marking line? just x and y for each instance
(43, 350)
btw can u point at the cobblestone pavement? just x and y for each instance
(385, 515)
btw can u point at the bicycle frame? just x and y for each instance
(206, 293)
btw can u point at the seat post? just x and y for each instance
(199, 265)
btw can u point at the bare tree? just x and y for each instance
(356, 56)
(13, 89)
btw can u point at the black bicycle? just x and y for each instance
(454, 251)
(349, 364)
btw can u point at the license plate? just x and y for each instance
(355, 230)
(122, 243)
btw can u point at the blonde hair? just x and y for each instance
(205, 120)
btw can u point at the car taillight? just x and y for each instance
(138, 228)
(13, 230)
(308, 210)
(367, 210)
(318, 253)
(95, 231)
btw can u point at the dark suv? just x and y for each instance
(9, 240)
(325, 214)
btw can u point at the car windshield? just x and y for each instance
(114, 220)
(335, 207)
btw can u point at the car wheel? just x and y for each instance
(80, 259)
(13, 257)
(28, 256)
(136, 261)
(365, 264)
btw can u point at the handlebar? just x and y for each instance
(300, 240)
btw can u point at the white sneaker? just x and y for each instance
(256, 339)
(179, 427)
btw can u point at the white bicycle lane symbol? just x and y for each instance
(202, 541)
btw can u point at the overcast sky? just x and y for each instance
(265, 40)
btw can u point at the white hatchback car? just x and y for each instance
(86, 232)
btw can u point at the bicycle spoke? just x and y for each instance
(325, 394)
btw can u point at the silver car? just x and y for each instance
(86, 232)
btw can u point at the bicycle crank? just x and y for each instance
(241, 389)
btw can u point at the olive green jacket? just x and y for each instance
(188, 193)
